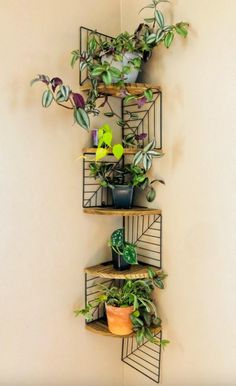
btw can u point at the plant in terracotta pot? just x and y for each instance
(123, 179)
(118, 60)
(123, 253)
(129, 308)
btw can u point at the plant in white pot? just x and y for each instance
(117, 60)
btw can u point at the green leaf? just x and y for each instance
(168, 39)
(98, 70)
(47, 98)
(151, 272)
(158, 283)
(65, 92)
(106, 77)
(82, 118)
(129, 254)
(149, 19)
(118, 150)
(115, 72)
(151, 195)
(181, 31)
(151, 39)
(164, 343)
(100, 153)
(109, 114)
(107, 138)
(148, 94)
(159, 18)
(149, 146)
(147, 6)
(129, 98)
(137, 158)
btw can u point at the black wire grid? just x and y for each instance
(144, 231)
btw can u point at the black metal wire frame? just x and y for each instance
(94, 195)
(83, 46)
(146, 233)
(92, 292)
(148, 119)
(144, 358)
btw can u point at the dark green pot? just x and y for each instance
(122, 196)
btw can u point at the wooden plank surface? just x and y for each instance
(100, 327)
(106, 270)
(122, 212)
(92, 150)
(131, 88)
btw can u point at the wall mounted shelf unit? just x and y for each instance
(143, 226)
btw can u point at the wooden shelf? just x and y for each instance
(122, 212)
(100, 327)
(131, 88)
(128, 151)
(106, 270)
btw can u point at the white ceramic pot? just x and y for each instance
(132, 76)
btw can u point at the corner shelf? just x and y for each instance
(107, 271)
(100, 327)
(117, 91)
(128, 151)
(135, 211)
(142, 226)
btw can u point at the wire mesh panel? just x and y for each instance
(146, 233)
(92, 291)
(94, 195)
(144, 358)
(145, 120)
(83, 38)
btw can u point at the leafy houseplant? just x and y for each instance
(112, 61)
(123, 179)
(123, 252)
(135, 297)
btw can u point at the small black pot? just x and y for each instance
(119, 264)
(122, 196)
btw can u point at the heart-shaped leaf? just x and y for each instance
(118, 150)
(100, 153)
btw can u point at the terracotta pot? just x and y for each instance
(118, 319)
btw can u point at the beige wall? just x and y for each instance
(198, 78)
(45, 240)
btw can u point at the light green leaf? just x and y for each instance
(151, 38)
(148, 94)
(65, 92)
(115, 72)
(129, 254)
(107, 138)
(181, 31)
(168, 39)
(129, 98)
(118, 150)
(151, 195)
(47, 98)
(106, 77)
(82, 118)
(100, 153)
(98, 70)
(149, 19)
(160, 18)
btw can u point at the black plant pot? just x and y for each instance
(122, 196)
(119, 264)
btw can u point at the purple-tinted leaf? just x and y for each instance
(140, 137)
(141, 101)
(123, 93)
(55, 82)
(78, 100)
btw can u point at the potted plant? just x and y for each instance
(123, 253)
(129, 308)
(124, 178)
(116, 61)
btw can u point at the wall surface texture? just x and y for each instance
(46, 240)
(198, 78)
